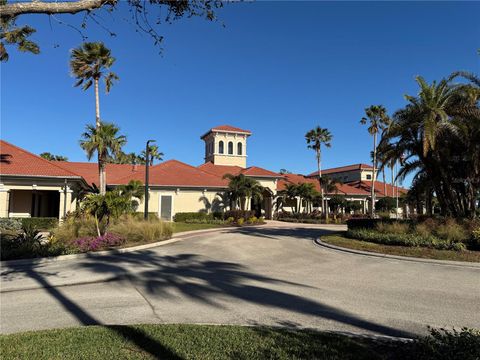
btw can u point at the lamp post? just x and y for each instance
(147, 167)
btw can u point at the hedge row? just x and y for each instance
(367, 223)
(40, 223)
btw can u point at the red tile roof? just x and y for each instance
(175, 173)
(17, 161)
(353, 167)
(89, 170)
(342, 189)
(379, 188)
(254, 171)
(226, 128)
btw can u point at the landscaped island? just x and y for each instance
(435, 238)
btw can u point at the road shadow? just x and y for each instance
(303, 233)
(203, 280)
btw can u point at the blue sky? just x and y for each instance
(276, 68)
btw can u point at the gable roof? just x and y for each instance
(89, 170)
(354, 167)
(226, 128)
(253, 171)
(342, 189)
(379, 188)
(175, 173)
(17, 161)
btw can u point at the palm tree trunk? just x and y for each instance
(97, 105)
(384, 183)
(372, 208)
(101, 175)
(319, 167)
(393, 180)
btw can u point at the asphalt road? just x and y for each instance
(271, 275)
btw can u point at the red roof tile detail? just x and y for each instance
(342, 189)
(221, 170)
(17, 161)
(379, 188)
(175, 173)
(343, 169)
(89, 170)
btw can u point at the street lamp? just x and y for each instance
(147, 167)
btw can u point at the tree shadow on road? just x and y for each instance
(303, 233)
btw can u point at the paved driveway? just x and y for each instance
(272, 275)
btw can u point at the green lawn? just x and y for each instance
(180, 226)
(190, 342)
(420, 252)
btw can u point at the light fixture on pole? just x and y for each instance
(147, 167)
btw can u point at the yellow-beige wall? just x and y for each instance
(226, 159)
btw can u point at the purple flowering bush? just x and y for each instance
(95, 243)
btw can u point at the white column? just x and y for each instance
(4, 201)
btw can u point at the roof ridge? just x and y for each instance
(40, 158)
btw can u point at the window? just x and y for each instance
(239, 148)
(230, 148)
(369, 177)
(220, 147)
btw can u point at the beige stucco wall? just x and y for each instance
(183, 200)
(16, 196)
(226, 159)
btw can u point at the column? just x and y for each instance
(4, 201)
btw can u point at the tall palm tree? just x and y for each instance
(105, 141)
(376, 117)
(51, 157)
(315, 138)
(154, 154)
(89, 63)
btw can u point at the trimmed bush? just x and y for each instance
(9, 224)
(239, 214)
(40, 223)
(368, 223)
(184, 216)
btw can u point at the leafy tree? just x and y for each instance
(337, 202)
(146, 15)
(377, 119)
(89, 63)
(241, 187)
(51, 157)
(354, 206)
(436, 137)
(315, 139)
(133, 192)
(386, 204)
(284, 171)
(154, 153)
(105, 141)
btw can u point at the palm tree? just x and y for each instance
(315, 138)
(105, 141)
(132, 191)
(154, 154)
(89, 63)
(291, 193)
(377, 119)
(242, 187)
(51, 157)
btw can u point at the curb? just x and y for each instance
(40, 261)
(473, 265)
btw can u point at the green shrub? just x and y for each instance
(230, 220)
(443, 344)
(240, 221)
(184, 216)
(151, 216)
(402, 239)
(393, 227)
(423, 229)
(475, 241)
(459, 246)
(452, 231)
(40, 223)
(140, 231)
(73, 228)
(238, 214)
(9, 224)
(367, 223)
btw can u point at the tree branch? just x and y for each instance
(40, 7)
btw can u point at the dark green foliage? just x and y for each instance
(444, 344)
(239, 214)
(368, 223)
(386, 204)
(16, 224)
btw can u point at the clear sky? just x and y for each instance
(275, 68)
